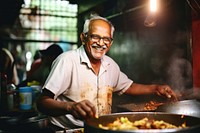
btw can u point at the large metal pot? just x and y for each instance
(187, 107)
(193, 123)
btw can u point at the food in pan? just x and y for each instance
(152, 105)
(123, 123)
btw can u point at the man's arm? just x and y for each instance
(47, 105)
(161, 90)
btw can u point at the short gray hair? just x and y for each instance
(96, 17)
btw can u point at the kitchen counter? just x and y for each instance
(34, 122)
(25, 122)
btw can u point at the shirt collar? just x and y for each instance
(84, 58)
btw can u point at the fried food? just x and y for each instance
(123, 123)
(152, 105)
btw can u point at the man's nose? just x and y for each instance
(101, 42)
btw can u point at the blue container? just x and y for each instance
(25, 94)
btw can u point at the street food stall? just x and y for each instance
(150, 46)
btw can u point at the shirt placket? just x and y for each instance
(99, 108)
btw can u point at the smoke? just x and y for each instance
(179, 71)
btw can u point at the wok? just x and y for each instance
(187, 107)
(193, 123)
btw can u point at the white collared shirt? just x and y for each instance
(72, 77)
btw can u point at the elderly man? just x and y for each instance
(81, 82)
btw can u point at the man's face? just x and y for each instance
(98, 39)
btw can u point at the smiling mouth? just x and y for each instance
(99, 48)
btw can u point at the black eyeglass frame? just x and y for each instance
(97, 38)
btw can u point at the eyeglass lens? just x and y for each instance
(97, 38)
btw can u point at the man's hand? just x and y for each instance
(166, 91)
(83, 110)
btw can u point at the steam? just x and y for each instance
(179, 71)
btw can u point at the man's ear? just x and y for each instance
(83, 38)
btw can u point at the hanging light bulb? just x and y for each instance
(151, 19)
(153, 6)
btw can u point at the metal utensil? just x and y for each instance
(186, 107)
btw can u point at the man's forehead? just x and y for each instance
(99, 22)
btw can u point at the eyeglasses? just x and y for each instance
(97, 38)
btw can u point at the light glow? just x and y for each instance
(153, 5)
(29, 62)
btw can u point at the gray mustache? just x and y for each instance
(99, 47)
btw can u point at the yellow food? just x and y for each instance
(123, 123)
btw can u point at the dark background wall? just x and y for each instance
(159, 54)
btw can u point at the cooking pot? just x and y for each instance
(92, 125)
(187, 107)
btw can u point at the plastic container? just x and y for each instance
(25, 95)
